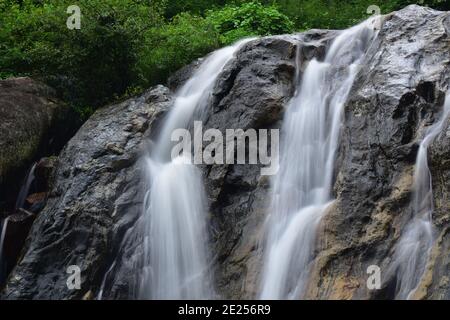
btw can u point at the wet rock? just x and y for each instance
(36, 201)
(32, 122)
(436, 284)
(180, 77)
(398, 93)
(97, 191)
(43, 173)
(92, 195)
(251, 93)
(17, 228)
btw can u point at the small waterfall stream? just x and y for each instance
(413, 249)
(25, 189)
(302, 188)
(20, 203)
(175, 263)
(176, 259)
(3, 266)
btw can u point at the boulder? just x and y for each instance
(96, 194)
(98, 187)
(18, 225)
(398, 93)
(251, 93)
(33, 121)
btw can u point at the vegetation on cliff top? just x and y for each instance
(126, 45)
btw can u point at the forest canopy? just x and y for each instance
(124, 46)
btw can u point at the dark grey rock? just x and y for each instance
(250, 94)
(398, 92)
(32, 119)
(97, 187)
(180, 77)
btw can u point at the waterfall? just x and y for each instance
(25, 189)
(20, 202)
(174, 262)
(3, 265)
(301, 191)
(176, 255)
(413, 249)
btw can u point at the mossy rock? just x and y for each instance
(29, 114)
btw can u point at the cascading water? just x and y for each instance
(413, 249)
(175, 261)
(3, 267)
(20, 202)
(302, 188)
(25, 189)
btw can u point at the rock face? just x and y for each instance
(250, 94)
(30, 124)
(95, 194)
(399, 91)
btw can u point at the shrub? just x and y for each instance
(87, 66)
(124, 45)
(173, 45)
(249, 19)
(198, 7)
(341, 14)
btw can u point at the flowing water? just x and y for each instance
(25, 189)
(173, 260)
(176, 257)
(301, 191)
(3, 266)
(175, 263)
(20, 202)
(413, 249)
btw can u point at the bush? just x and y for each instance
(173, 45)
(341, 14)
(249, 19)
(124, 45)
(198, 7)
(436, 4)
(87, 66)
(187, 37)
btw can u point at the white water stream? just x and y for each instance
(20, 202)
(175, 263)
(413, 249)
(302, 187)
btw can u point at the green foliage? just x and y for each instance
(249, 19)
(326, 14)
(126, 45)
(436, 4)
(173, 45)
(87, 66)
(83, 112)
(341, 14)
(174, 7)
